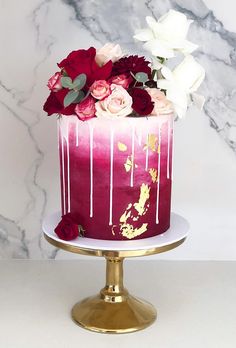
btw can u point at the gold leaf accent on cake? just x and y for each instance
(130, 232)
(129, 206)
(122, 147)
(144, 195)
(125, 216)
(139, 208)
(112, 230)
(151, 142)
(153, 173)
(129, 163)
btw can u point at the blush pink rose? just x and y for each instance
(100, 89)
(54, 83)
(161, 104)
(117, 104)
(121, 80)
(108, 52)
(86, 109)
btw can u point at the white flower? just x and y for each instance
(166, 35)
(117, 104)
(108, 52)
(182, 83)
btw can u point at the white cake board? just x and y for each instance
(177, 232)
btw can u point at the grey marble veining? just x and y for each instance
(36, 35)
(217, 50)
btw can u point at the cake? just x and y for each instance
(116, 174)
(115, 133)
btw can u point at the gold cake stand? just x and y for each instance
(114, 310)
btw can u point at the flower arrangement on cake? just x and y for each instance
(116, 119)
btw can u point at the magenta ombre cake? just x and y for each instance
(116, 175)
(115, 130)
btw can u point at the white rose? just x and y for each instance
(182, 83)
(117, 104)
(108, 52)
(166, 35)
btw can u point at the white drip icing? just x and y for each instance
(111, 174)
(172, 149)
(77, 133)
(91, 168)
(68, 167)
(58, 134)
(147, 154)
(132, 158)
(159, 174)
(168, 149)
(63, 175)
(140, 137)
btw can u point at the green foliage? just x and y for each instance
(66, 82)
(79, 98)
(141, 77)
(78, 83)
(70, 97)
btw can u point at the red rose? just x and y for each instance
(142, 101)
(86, 109)
(67, 229)
(83, 62)
(121, 80)
(54, 104)
(54, 83)
(100, 89)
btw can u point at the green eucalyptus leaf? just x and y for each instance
(141, 77)
(79, 97)
(63, 72)
(66, 82)
(79, 81)
(70, 97)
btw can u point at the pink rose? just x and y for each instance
(108, 52)
(161, 104)
(121, 80)
(86, 109)
(117, 104)
(100, 89)
(54, 83)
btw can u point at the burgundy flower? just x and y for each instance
(54, 104)
(142, 102)
(132, 64)
(83, 61)
(68, 228)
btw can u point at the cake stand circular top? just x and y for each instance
(172, 238)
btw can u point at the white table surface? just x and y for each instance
(196, 303)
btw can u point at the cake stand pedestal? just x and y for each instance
(114, 310)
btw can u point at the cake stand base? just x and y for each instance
(114, 310)
(130, 315)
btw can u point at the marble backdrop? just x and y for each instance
(34, 35)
